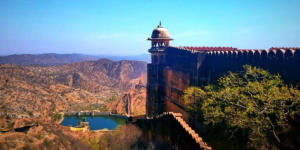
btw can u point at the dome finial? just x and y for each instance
(159, 26)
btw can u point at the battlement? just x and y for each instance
(285, 48)
(279, 52)
(207, 48)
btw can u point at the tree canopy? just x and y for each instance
(252, 99)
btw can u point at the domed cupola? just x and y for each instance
(160, 37)
(160, 33)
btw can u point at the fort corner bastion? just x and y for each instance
(174, 69)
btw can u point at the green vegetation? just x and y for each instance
(39, 136)
(57, 117)
(100, 107)
(113, 98)
(47, 143)
(11, 124)
(83, 119)
(30, 113)
(253, 102)
(125, 138)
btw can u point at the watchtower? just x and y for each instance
(160, 41)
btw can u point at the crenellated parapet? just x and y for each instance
(207, 48)
(279, 52)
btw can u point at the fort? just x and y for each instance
(174, 69)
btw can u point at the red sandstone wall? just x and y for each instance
(175, 84)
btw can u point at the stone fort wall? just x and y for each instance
(180, 130)
(177, 68)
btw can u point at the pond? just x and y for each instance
(96, 122)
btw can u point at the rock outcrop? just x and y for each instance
(134, 101)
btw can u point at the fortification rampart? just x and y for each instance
(177, 117)
(176, 68)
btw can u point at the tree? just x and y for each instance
(83, 119)
(252, 99)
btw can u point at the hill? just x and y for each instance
(45, 59)
(35, 91)
(51, 59)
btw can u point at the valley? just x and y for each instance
(104, 85)
(33, 95)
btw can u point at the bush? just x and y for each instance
(57, 117)
(253, 100)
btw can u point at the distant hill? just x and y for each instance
(142, 57)
(39, 90)
(51, 59)
(45, 59)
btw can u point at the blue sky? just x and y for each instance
(121, 27)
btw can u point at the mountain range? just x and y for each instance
(35, 88)
(35, 91)
(50, 59)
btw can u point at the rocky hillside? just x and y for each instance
(132, 102)
(33, 91)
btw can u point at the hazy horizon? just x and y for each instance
(62, 53)
(122, 27)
